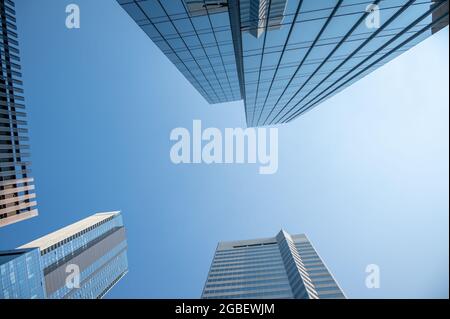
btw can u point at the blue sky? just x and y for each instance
(364, 175)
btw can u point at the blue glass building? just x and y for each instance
(21, 274)
(81, 261)
(95, 246)
(198, 43)
(283, 57)
(282, 267)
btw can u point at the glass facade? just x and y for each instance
(64, 249)
(21, 275)
(17, 197)
(320, 278)
(195, 36)
(323, 47)
(95, 246)
(102, 275)
(81, 261)
(289, 55)
(283, 267)
(254, 12)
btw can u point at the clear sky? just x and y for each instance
(364, 175)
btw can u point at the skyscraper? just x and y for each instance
(282, 57)
(17, 197)
(283, 267)
(81, 261)
(21, 275)
(190, 39)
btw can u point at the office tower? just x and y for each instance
(282, 267)
(81, 261)
(200, 45)
(283, 57)
(21, 275)
(96, 246)
(17, 197)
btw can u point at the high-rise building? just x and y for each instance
(81, 261)
(17, 197)
(21, 274)
(283, 267)
(95, 246)
(282, 57)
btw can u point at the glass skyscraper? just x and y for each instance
(81, 261)
(21, 274)
(283, 267)
(196, 37)
(17, 197)
(283, 57)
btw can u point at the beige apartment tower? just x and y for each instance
(17, 197)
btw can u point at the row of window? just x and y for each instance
(256, 266)
(267, 288)
(248, 283)
(249, 261)
(243, 278)
(233, 251)
(245, 256)
(250, 271)
(68, 239)
(282, 294)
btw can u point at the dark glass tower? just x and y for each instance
(283, 57)
(17, 197)
(282, 267)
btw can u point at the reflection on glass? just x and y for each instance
(311, 51)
